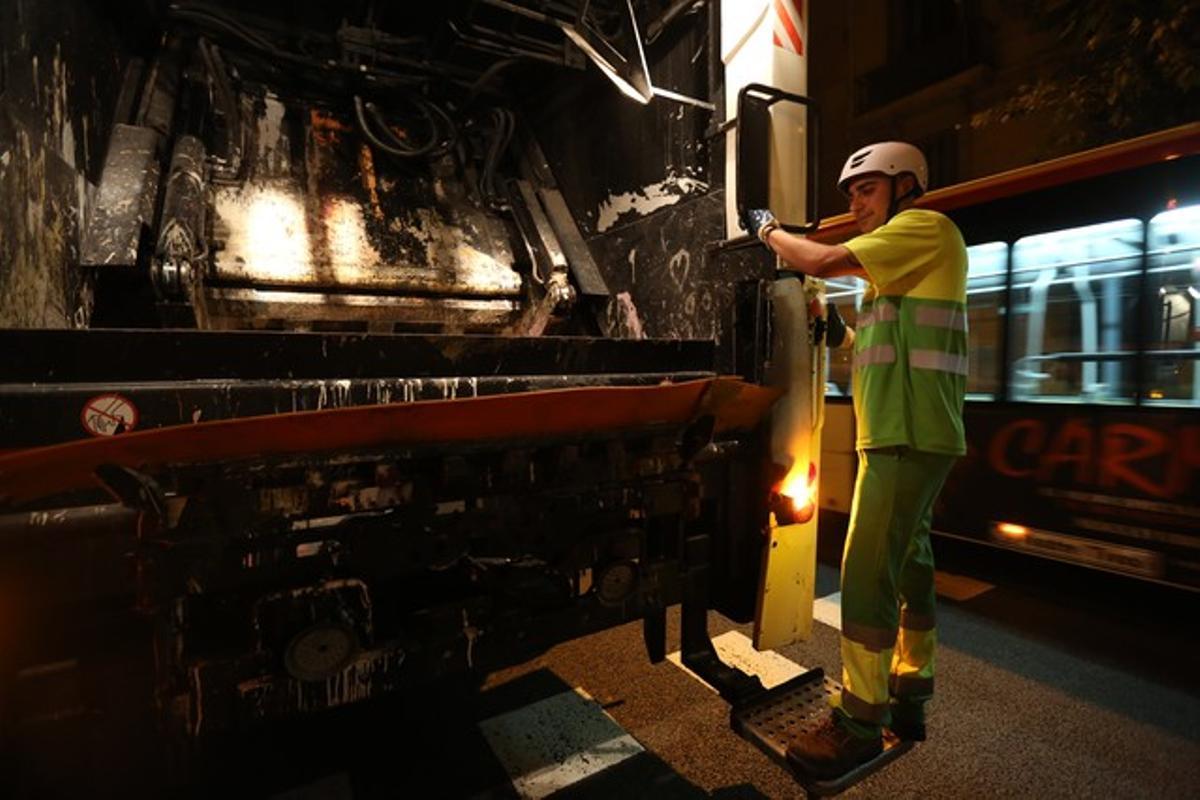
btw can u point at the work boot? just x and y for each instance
(830, 750)
(908, 722)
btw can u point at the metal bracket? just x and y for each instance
(583, 266)
(696, 648)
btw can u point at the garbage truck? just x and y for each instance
(354, 346)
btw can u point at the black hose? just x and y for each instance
(371, 137)
(443, 132)
(403, 144)
(232, 27)
(487, 75)
(504, 122)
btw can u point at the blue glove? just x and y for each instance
(753, 220)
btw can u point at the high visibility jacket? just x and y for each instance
(910, 349)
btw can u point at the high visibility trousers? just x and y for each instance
(888, 599)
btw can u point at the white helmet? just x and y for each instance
(889, 158)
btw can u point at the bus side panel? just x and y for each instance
(1112, 488)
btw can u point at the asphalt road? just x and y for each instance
(1052, 682)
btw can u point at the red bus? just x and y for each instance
(1083, 401)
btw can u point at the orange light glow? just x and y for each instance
(1010, 530)
(800, 488)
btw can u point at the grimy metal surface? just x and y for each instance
(124, 206)
(38, 473)
(60, 67)
(338, 218)
(123, 355)
(309, 225)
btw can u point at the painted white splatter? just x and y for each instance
(273, 147)
(647, 199)
(631, 323)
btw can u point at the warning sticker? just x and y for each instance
(108, 415)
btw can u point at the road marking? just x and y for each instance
(549, 745)
(736, 650)
(828, 609)
(959, 588)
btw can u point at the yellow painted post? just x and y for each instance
(784, 607)
(785, 602)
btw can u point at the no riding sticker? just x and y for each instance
(108, 415)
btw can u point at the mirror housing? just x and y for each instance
(753, 152)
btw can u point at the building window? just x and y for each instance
(941, 153)
(928, 41)
(915, 24)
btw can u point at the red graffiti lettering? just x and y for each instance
(1159, 463)
(1073, 444)
(1033, 440)
(1115, 456)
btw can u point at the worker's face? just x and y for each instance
(869, 198)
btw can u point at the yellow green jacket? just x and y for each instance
(910, 350)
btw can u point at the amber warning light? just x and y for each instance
(1011, 530)
(796, 498)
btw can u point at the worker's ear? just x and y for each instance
(906, 185)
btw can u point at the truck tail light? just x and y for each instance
(796, 498)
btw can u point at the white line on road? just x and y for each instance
(828, 609)
(553, 743)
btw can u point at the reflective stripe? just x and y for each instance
(938, 360)
(862, 710)
(910, 685)
(954, 319)
(864, 694)
(869, 636)
(875, 354)
(913, 621)
(911, 674)
(881, 312)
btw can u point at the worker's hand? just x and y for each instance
(758, 222)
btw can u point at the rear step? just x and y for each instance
(771, 720)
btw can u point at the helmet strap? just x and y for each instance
(895, 201)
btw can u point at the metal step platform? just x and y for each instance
(772, 719)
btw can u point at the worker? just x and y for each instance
(910, 368)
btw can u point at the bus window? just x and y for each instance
(1072, 335)
(1173, 308)
(846, 293)
(988, 264)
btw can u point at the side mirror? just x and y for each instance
(770, 124)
